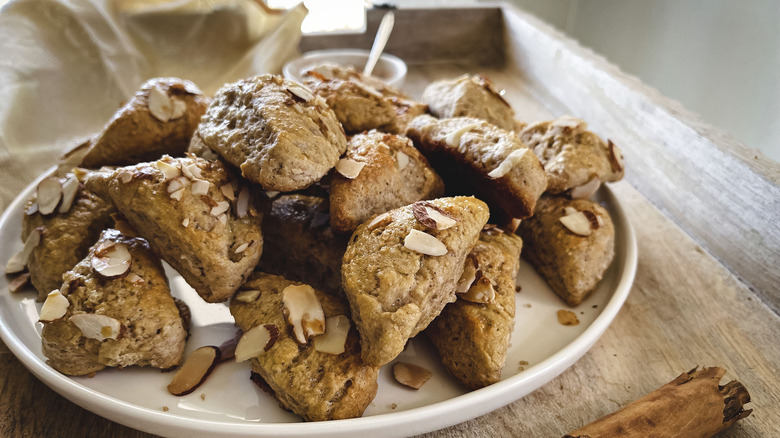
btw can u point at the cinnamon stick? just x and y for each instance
(692, 405)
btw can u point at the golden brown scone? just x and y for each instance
(394, 290)
(572, 264)
(158, 120)
(317, 386)
(469, 96)
(276, 131)
(571, 154)
(473, 337)
(395, 174)
(300, 245)
(151, 331)
(362, 103)
(196, 216)
(66, 237)
(473, 156)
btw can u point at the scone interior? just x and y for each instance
(151, 331)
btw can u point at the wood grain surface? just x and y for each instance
(686, 307)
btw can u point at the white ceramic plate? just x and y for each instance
(233, 406)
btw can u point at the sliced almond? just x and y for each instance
(593, 218)
(303, 312)
(178, 194)
(468, 276)
(349, 167)
(243, 247)
(94, 326)
(192, 171)
(300, 92)
(221, 207)
(568, 210)
(271, 193)
(577, 223)
(368, 89)
(424, 243)
(401, 160)
(178, 183)
(228, 191)
(242, 204)
(168, 170)
(410, 375)
(454, 137)
(186, 222)
(568, 124)
(54, 308)
(194, 371)
(112, 262)
(481, 291)
(200, 187)
(334, 340)
(69, 189)
(31, 209)
(432, 216)
(247, 296)
(381, 220)
(48, 195)
(256, 341)
(509, 162)
(125, 176)
(586, 190)
(178, 108)
(615, 157)
(160, 105)
(222, 219)
(134, 278)
(19, 282)
(18, 261)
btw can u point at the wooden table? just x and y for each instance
(704, 209)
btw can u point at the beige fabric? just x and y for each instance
(67, 66)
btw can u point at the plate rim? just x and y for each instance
(408, 422)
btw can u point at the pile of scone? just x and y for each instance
(339, 218)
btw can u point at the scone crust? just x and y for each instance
(472, 339)
(571, 154)
(317, 386)
(204, 251)
(66, 238)
(277, 138)
(571, 264)
(469, 96)
(395, 292)
(134, 135)
(381, 185)
(469, 148)
(153, 332)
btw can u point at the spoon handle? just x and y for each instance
(382, 34)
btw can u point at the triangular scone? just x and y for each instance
(362, 103)
(473, 156)
(393, 174)
(276, 131)
(123, 319)
(67, 234)
(472, 334)
(158, 120)
(299, 244)
(572, 155)
(469, 96)
(401, 269)
(317, 386)
(570, 243)
(195, 215)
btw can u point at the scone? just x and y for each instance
(473, 156)
(158, 120)
(572, 156)
(469, 96)
(570, 243)
(316, 385)
(113, 318)
(393, 174)
(276, 131)
(472, 334)
(362, 103)
(67, 234)
(195, 215)
(401, 268)
(300, 245)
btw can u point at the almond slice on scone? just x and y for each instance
(399, 275)
(317, 385)
(395, 174)
(111, 321)
(212, 241)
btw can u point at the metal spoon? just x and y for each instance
(382, 34)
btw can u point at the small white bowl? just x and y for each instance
(389, 69)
